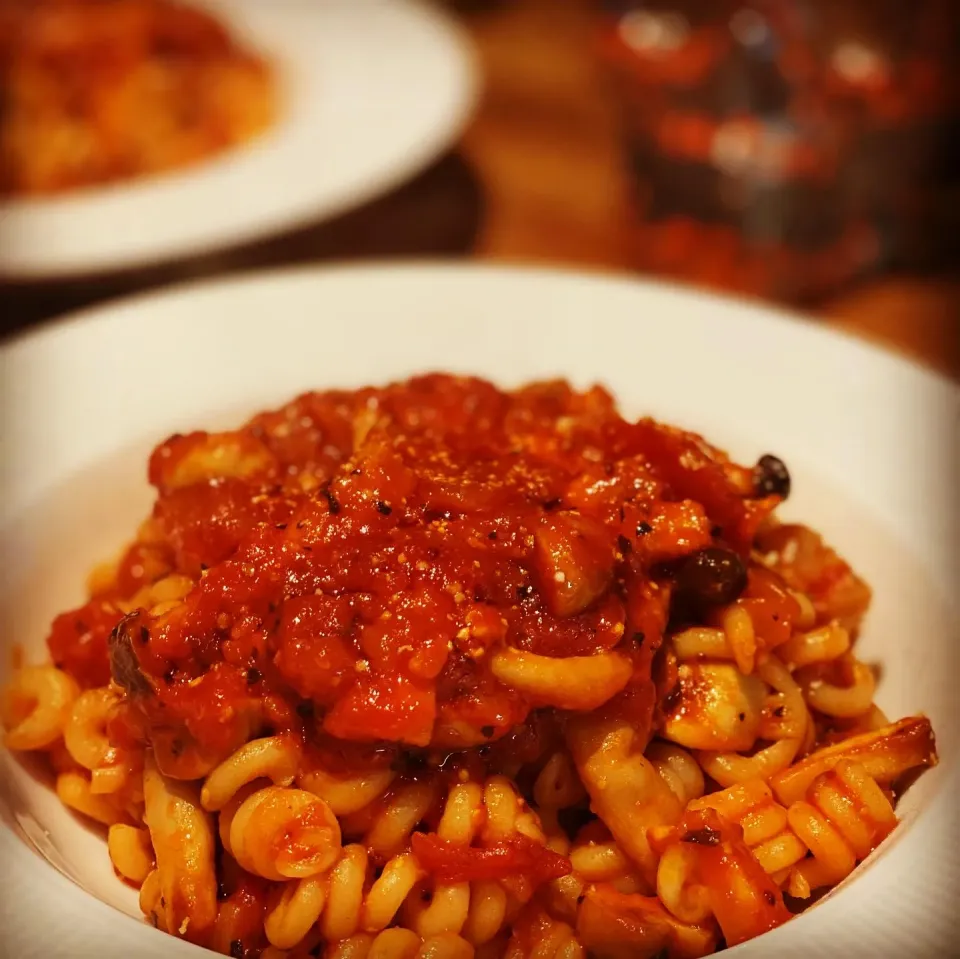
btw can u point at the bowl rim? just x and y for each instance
(72, 901)
(530, 269)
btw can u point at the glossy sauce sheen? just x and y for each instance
(360, 556)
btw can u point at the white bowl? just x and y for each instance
(871, 441)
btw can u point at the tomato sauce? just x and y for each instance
(360, 556)
(519, 855)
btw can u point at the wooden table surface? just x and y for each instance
(537, 178)
(546, 146)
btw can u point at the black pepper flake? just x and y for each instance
(624, 545)
(580, 899)
(622, 514)
(643, 528)
(552, 504)
(176, 747)
(639, 637)
(487, 731)
(385, 508)
(355, 472)
(144, 634)
(492, 534)
(780, 711)
(253, 676)
(425, 895)
(409, 763)
(281, 526)
(769, 898)
(742, 716)
(776, 617)
(236, 949)
(332, 501)
(163, 903)
(702, 837)
(271, 607)
(305, 709)
(169, 674)
(300, 524)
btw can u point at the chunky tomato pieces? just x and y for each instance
(78, 641)
(360, 557)
(517, 856)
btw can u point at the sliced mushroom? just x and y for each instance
(124, 665)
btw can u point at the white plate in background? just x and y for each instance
(370, 91)
(871, 441)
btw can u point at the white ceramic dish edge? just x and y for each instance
(440, 303)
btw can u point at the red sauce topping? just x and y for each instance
(78, 641)
(360, 557)
(517, 856)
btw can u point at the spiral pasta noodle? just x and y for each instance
(390, 944)
(341, 904)
(842, 819)
(438, 672)
(783, 720)
(815, 842)
(131, 852)
(36, 705)
(183, 841)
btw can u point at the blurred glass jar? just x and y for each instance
(782, 148)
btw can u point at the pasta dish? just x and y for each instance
(438, 670)
(94, 91)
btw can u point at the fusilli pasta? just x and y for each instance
(438, 672)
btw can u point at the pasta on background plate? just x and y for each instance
(436, 670)
(100, 91)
